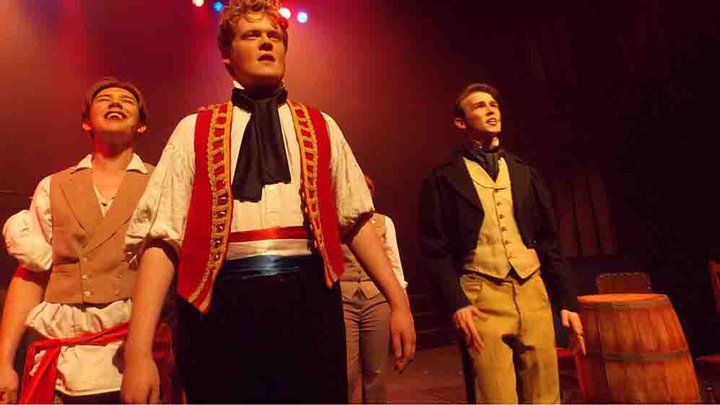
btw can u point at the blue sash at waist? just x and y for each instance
(267, 265)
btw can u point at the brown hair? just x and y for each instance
(240, 8)
(469, 89)
(107, 83)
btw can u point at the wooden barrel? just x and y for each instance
(636, 351)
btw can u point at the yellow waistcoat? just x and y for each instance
(500, 246)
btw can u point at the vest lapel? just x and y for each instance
(520, 177)
(121, 209)
(480, 176)
(503, 179)
(80, 195)
(458, 176)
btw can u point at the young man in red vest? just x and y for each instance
(250, 202)
(74, 284)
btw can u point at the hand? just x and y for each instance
(402, 330)
(141, 382)
(571, 322)
(8, 385)
(464, 320)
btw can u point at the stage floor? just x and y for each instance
(436, 377)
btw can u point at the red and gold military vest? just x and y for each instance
(209, 217)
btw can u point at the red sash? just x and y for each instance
(208, 226)
(291, 232)
(40, 389)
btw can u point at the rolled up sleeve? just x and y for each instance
(161, 213)
(352, 197)
(28, 233)
(393, 252)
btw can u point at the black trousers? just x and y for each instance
(278, 338)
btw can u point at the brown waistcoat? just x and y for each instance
(90, 265)
(354, 276)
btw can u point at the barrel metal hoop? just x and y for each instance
(640, 357)
(625, 306)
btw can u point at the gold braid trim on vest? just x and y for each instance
(219, 177)
(307, 139)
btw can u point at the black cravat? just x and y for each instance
(487, 159)
(262, 158)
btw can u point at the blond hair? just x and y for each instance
(241, 8)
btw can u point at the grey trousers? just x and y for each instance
(367, 332)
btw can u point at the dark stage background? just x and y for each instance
(620, 92)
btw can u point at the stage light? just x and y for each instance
(218, 6)
(285, 12)
(198, 3)
(302, 17)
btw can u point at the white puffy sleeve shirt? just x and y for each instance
(28, 233)
(162, 211)
(28, 236)
(393, 252)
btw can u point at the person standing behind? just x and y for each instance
(74, 282)
(367, 317)
(489, 243)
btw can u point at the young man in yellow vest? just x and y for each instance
(248, 206)
(489, 242)
(74, 284)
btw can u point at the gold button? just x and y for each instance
(501, 216)
(503, 229)
(499, 203)
(117, 292)
(84, 276)
(119, 276)
(87, 293)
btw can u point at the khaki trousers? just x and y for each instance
(367, 332)
(518, 361)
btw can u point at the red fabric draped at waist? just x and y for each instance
(40, 389)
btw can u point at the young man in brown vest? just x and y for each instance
(367, 317)
(74, 284)
(487, 231)
(248, 206)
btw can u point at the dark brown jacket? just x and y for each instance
(451, 216)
